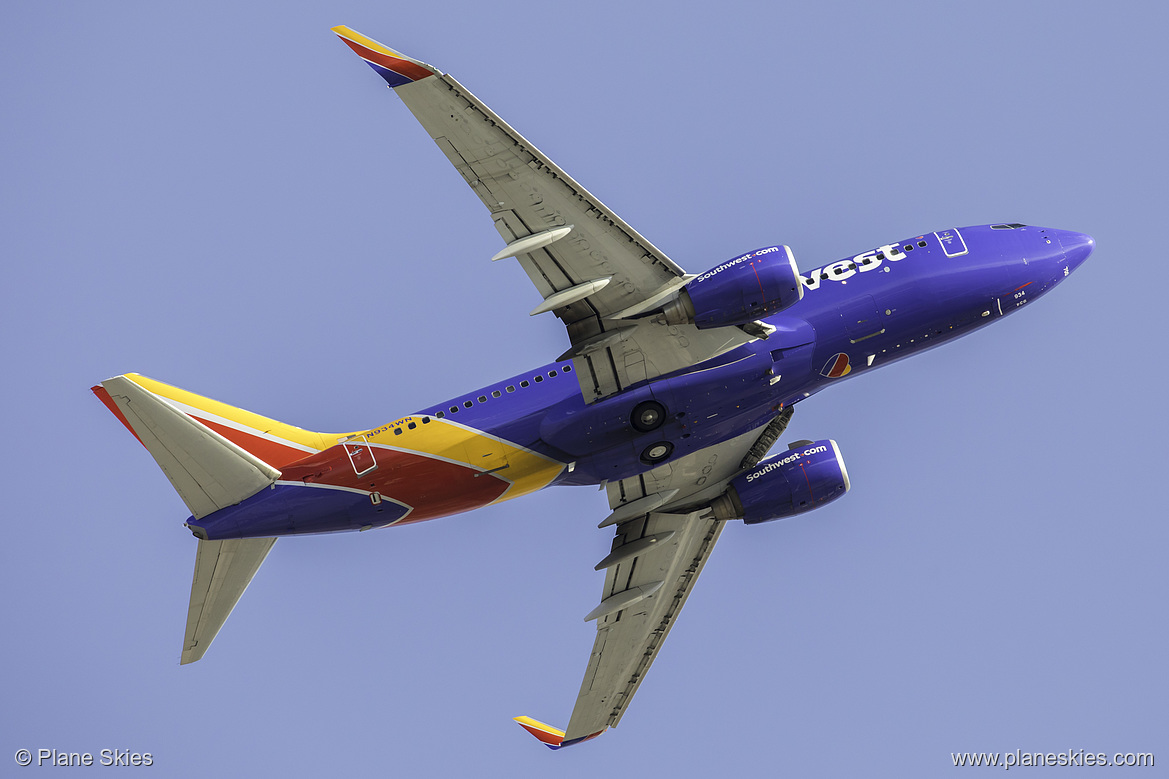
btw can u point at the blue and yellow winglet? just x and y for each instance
(396, 68)
(551, 737)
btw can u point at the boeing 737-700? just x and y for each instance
(672, 391)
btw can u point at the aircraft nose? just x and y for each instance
(1076, 247)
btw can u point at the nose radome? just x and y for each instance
(1076, 247)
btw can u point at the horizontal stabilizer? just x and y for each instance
(551, 737)
(208, 471)
(223, 570)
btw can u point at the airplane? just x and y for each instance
(672, 391)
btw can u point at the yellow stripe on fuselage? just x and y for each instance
(526, 470)
(296, 435)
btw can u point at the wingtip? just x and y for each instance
(551, 737)
(546, 734)
(393, 66)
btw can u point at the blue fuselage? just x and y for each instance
(857, 314)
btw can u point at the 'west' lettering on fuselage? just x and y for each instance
(862, 263)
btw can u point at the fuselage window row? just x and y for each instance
(483, 398)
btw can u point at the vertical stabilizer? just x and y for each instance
(200, 445)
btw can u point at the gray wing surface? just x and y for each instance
(604, 281)
(655, 560)
(597, 276)
(528, 194)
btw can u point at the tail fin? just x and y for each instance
(209, 471)
(274, 442)
(215, 455)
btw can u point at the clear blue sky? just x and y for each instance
(221, 196)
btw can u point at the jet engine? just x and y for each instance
(749, 287)
(804, 477)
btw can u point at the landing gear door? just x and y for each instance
(360, 455)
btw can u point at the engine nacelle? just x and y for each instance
(749, 287)
(787, 484)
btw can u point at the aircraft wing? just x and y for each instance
(660, 547)
(592, 269)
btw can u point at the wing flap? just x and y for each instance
(223, 571)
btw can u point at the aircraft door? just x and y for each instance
(360, 456)
(953, 244)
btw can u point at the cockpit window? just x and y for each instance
(1011, 226)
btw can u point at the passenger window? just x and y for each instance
(510, 388)
(567, 369)
(467, 404)
(411, 425)
(397, 431)
(538, 378)
(921, 244)
(524, 383)
(551, 374)
(496, 393)
(482, 398)
(454, 409)
(439, 414)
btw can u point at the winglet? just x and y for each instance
(397, 69)
(551, 737)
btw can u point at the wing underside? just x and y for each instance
(604, 281)
(655, 561)
(528, 194)
(655, 582)
(594, 271)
